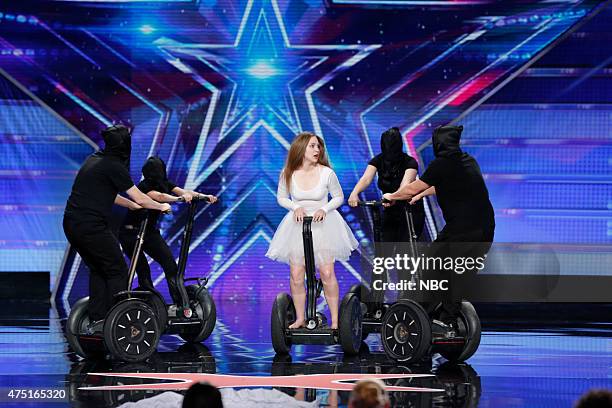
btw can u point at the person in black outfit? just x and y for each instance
(456, 179)
(395, 169)
(86, 217)
(157, 186)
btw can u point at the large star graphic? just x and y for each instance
(260, 80)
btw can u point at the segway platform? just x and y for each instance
(319, 335)
(316, 331)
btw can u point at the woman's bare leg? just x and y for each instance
(330, 289)
(298, 293)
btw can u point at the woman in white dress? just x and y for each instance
(308, 179)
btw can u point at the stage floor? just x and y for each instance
(528, 368)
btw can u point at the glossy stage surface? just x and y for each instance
(532, 368)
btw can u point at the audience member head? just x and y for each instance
(369, 394)
(595, 399)
(202, 395)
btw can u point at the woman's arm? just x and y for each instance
(124, 202)
(335, 191)
(282, 195)
(362, 184)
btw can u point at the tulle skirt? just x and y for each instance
(332, 240)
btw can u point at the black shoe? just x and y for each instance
(97, 326)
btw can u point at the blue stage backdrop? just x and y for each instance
(219, 88)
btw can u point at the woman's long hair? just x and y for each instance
(295, 157)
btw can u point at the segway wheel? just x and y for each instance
(77, 323)
(205, 309)
(350, 328)
(283, 314)
(468, 325)
(406, 331)
(131, 331)
(358, 289)
(158, 305)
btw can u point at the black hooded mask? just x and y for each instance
(154, 172)
(391, 145)
(118, 143)
(391, 169)
(445, 141)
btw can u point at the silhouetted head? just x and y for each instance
(595, 399)
(154, 171)
(445, 141)
(202, 395)
(118, 142)
(391, 145)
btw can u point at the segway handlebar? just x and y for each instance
(198, 197)
(372, 203)
(201, 197)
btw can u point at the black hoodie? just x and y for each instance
(103, 175)
(460, 187)
(392, 162)
(118, 143)
(154, 172)
(155, 179)
(445, 142)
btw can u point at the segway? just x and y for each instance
(194, 319)
(407, 331)
(316, 330)
(130, 332)
(372, 301)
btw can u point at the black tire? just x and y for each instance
(469, 327)
(283, 314)
(358, 289)
(350, 330)
(205, 308)
(77, 323)
(131, 331)
(406, 331)
(158, 304)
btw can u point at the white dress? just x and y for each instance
(332, 239)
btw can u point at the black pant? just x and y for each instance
(395, 225)
(100, 251)
(155, 246)
(457, 243)
(394, 229)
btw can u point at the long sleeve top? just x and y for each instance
(314, 199)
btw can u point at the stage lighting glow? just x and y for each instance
(262, 70)
(147, 29)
